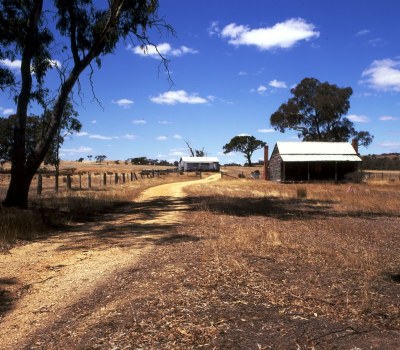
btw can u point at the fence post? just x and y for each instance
(134, 174)
(123, 178)
(69, 181)
(89, 180)
(116, 178)
(39, 184)
(80, 181)
(104, 179)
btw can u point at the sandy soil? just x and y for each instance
(42, 280)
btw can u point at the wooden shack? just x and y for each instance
(313, 161)
(199, 164)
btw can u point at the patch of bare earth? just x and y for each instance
(212, 269)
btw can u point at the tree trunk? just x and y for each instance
(17, 194)
(248, 156)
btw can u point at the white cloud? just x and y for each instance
(139, 121)
(266, 130)
(363, 32)
(164, 122)
(128, 137)
(81, 149)
(161, 138)
(387, 118)
(278, 84)
(180, 96)
(6, 111)
(94, 121)
(213, 29)
(243, 134)
(358, 118)
(178, 137)
(82, 133)
(100, 137)
(13, 65)
(261, 89)
(383, 75)
(281, 35)
(163, 49)
(123, 102)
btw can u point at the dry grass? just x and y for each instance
(256, 267)
(54, 209)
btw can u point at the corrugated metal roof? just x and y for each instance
(200, 159)
(315, 148)
(320, 158)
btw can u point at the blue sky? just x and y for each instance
(233, 64)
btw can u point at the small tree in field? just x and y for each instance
(244, 144)
(100, 158)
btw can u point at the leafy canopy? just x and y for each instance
(316, 111)
(244, 144)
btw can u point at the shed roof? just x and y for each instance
(317, 152)
(200, 159)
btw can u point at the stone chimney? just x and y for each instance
(354, 143)
(265, 162)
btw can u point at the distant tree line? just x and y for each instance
(149, 161)
(382, 162)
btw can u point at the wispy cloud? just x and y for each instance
(81, 149)
(178, 137)
(261, 89)
(124, 103)
(363, 32)
(386, 118)
(164, 122)
(282, 35)
(139, 121)
(277, 84)
(100, 137)
(383, 75)
(128, 137)
(163, 49)
(358, 118)
(213, 29)
(180, 96)
(6, 111)
(82, 133)
(266, 130)
(161, 138)
(390, 144)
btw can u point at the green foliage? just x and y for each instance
(244, 144)
(316, 112)
(87, 31)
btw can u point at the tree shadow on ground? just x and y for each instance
(6, 298)
(133, 224)
(278, 208)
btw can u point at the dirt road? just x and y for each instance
(41, 280)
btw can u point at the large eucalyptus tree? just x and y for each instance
(37, 33)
